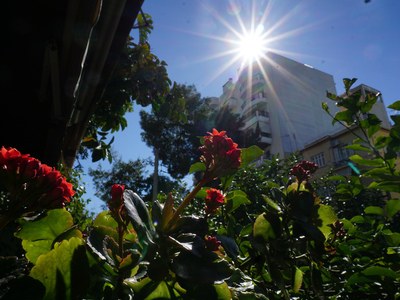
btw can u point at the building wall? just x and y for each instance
(335, 156)
(284, 98)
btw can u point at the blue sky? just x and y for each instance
(345, 38)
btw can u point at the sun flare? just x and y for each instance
(252, 45)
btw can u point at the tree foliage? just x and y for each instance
(132, 174)
(177, 140)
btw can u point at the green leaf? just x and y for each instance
(345, 116)
(330, 96)
(392, 207)
(272, 203)
(380, 271)
(358, 147)
(148, 289)
(374, 210)
(325, 107)
(64, 271)
(298, 280)
(348, 83)
(209, 269)
(323, 217)
(202, 193)
(262, 229)
(395, 105)
(382, 141)
(234, 199)
(197, 167)
(39, 236)
(357, 219)
(338, 177)
(377, 162)
(248, 155)
(395, 119)
(216, 291)
(105, 219)
(393, 239)
(139, 216)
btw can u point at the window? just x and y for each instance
(319, 159)
(341, 153)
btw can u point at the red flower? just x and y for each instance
(213, 201)
(303, 170)
(221, 155)
(212, 243)
(37, 185)
(117, 194)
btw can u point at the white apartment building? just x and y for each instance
(281, 102)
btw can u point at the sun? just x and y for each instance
(252, 45)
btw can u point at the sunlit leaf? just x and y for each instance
(148, 289)
(64, 271)
(105, 219)
(374, 210)
(377, 162)
(249, 155)
(262, 229)
(39, 236)
(324, 216)
(298, 280)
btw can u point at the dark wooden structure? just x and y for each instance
(56, 60)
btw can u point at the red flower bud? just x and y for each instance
(117, 194)
(212, 243)
(213, 200)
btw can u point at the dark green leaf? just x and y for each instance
(197, 167)
(395, 105)
(345, 116)
(209, 269)
(392, 207)
(396, 119)
(229, 246)
(393, 239)
(374, 210)
(380, 271)
(234, 199)
(348, 83)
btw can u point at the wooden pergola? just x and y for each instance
(57, 59)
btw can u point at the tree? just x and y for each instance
(139, 77)
(175, 133)
(132, 175)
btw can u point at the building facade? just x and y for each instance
(281, 103)
(329, 151)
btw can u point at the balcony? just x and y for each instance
(264, 141)
(260, 103)
(263, 120)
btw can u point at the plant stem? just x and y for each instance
(185, 203)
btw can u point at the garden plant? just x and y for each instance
(265, 233)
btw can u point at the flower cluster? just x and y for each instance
(221, 155)
(213, 201)
(212, 243)
(32, 185)
(303, 171)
